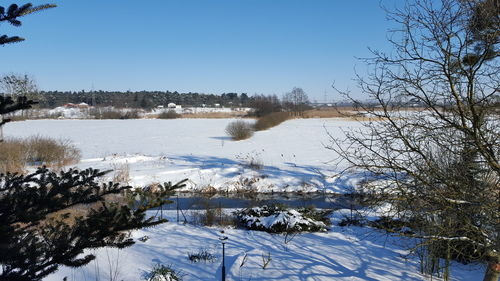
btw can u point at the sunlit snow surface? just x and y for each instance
(348, 253)
(293, 158)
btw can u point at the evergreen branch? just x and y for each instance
(4, 39)
(37, 9)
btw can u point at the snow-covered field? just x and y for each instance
(293, 158)
(349, 253)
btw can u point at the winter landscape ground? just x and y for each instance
(288, 158)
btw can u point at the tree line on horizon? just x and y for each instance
(141, 99)
(17, 85)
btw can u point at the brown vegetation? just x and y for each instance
(271, 120)
(16, 154)
(113, 114)
(239, 130)
(171, 114)
(214, 115)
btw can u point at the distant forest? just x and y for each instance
(142, 99)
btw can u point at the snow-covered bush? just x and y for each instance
(162, 272)
(279, 219)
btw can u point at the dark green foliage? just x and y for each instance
(11, 15)
(317, 215)
(8, 105)
(284, 220)
(34, 242)
(142, 99)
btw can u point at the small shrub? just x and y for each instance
(355, 220)
(252, 160)
(130, 114)
(171, 114)
(391, 225)
(121, 173)
(317, 215)
(109, 114)
(266, 260)
(271, 120)
(15, 154)
(239, 130)
(202, 255)
(280, 219)
(212, 215)
(162, 272)
(50, 152)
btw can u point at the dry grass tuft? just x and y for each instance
(16, 154)
(121, 173)
(12, 156)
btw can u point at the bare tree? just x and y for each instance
(264, 105)
(296, 101)
(17, 85)
(440, 162)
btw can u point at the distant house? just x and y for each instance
(171, 105)
(80, 105)
(160, 106)
(217, 105)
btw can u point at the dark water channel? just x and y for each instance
(198, 201)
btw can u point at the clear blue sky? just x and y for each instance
(209, 46)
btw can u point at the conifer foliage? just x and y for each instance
(8, 105)
(48, 219)
(39, 229)
(11, 15)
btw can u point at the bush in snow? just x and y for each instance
(16, 154)
(239, 130)
(279, 219)
(162, 272)
(202, 255)
(171, 114)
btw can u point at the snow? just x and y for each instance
(82, 112)
(294, 158)
(349, 253)
(293, 155)
(292, 219)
